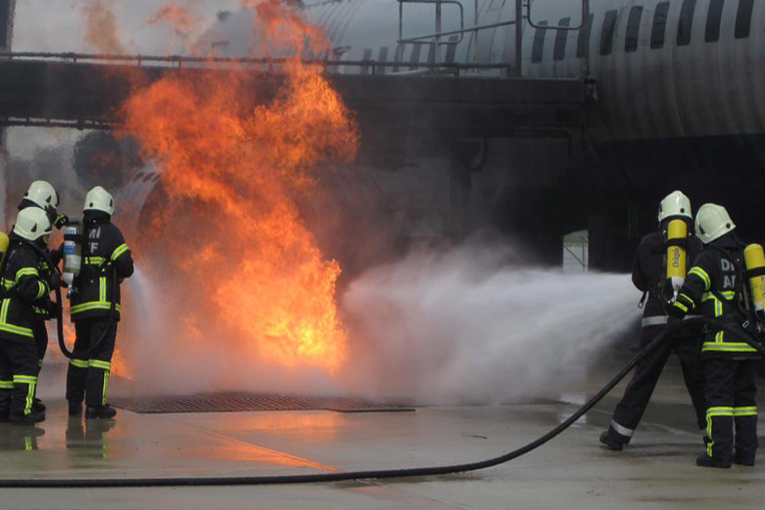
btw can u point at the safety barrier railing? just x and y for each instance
(265, 64)
(436, 37)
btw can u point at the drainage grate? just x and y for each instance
(248, 402)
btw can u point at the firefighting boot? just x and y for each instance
(75, 409)
(705, 460)
(28, 419)
(104, 412)
(38, 406)
(5, 412)
(611, 441)
(743, 460)
(5, 405)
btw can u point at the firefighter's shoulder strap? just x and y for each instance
(656, 287)
(742, 297)
(15, 244)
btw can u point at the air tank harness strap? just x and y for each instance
(680, 243)
(758, 271)
(77, 238)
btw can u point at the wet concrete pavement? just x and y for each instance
(573, 471)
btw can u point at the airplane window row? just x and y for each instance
(414, 59)
(658, 28)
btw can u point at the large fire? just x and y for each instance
(234, 167)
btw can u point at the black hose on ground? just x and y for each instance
(386, 473)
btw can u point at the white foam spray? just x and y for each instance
(466, 325)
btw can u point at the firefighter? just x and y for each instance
(22, 289)
(95, 307)
(715, 285)
(649, 274)
(43, 195)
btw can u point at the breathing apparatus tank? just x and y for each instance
(72, 254)
(677, 234)
(754, 259)
(4, 242)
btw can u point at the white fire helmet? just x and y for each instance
(713, 222)
(98, 199)
(675, 204)
(42, 194)
(32, 223)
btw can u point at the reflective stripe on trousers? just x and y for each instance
(31, 382)
(624, 431)
(715, 412)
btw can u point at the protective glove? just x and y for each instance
(669, 290)
(54, 280)
(52, 308)
(62, 220)
(675, 315)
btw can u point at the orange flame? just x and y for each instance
(180, 17)
(101, 28)
(233, 166)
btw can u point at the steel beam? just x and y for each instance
(91, 94)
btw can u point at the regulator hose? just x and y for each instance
(386, 473)
(60, 324)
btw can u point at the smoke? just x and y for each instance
(49, 163)
(181, 18)
(101, 28)
(473, 325)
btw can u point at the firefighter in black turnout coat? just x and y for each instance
(649, 275)
(715, 285)
(96, 307)
(42, 194)
(23, 289)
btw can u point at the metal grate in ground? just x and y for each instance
(249, 402)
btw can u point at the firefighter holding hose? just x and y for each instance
(23, 287)
(42, 195)
(717, 285)
(95, 306)
(658, 271)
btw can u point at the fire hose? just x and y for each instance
(60, 316)
(385, 473)
(60, 309)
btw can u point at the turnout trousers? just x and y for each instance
(19, 365)
(731, 390)
(633, 404)
(89, 369)
(40, 331)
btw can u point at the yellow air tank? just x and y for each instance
(4, 241)
(755, 270)
(677, 233)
